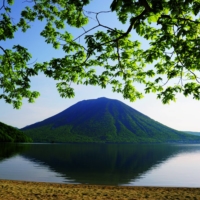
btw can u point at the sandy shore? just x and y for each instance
(11, 190)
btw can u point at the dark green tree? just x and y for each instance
(169, 66)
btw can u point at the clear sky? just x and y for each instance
(181, 115)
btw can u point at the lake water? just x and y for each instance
(107, 164)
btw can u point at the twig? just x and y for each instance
(3, 6)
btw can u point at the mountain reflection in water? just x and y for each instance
(112, 164)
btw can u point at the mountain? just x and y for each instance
(192, 133)
(11, 134)
(103, 120)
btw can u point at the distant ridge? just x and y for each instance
(192, 133)
(103, 120)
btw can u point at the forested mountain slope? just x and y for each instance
(103, 120)
(11, 134)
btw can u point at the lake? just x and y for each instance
(103, 164)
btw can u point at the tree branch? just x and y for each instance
(3, 6)
(133, 20)
(180, 18)
(85, 32)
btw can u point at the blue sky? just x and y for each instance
(181, 115)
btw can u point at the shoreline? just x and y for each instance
(25, 190)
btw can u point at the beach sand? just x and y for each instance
(22, 190)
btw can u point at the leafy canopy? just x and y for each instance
(169, 65)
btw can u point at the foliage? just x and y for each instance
(170, 64)
(11, 134)
(103, 121)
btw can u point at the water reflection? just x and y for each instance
(104, 164)
(19, 168)
(8, 150)
(101, 164)
(181, 170)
